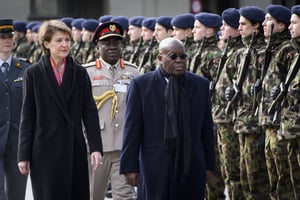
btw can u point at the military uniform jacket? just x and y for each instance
(10, 105)
(103, 81)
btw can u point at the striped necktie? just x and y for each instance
(5, 65)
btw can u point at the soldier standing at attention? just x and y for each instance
(163, 28)
(20, 41)
(183, 25)
(110, 77)
(77, 40)
(134, 32)
(88, 52)
(12, 182)
(205, 62)
(228, 141)
(282, 52)
(148, 58)
(290, 115)
(254, 178)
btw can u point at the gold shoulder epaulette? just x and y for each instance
(90, 64)
(129, 64)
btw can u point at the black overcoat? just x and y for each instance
(51, 132)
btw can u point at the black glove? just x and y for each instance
(274, 92)
(229, 93)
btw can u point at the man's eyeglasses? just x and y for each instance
(174, 56)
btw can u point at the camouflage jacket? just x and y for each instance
(20, 48)
(282, 55)
(246, 121)
(290, 115)
(219, 102)
(191, 48)
(150, 63)
(127, 49)
(87, 53)
(75, 49)
(209, 58)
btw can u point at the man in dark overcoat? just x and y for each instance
(168, 146)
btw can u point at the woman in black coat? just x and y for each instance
(57, 101)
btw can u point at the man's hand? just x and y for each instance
(132, 178)
(24, 167)
(96, 160)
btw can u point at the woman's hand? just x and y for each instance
(96, 160)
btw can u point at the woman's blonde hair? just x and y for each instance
(47, 30)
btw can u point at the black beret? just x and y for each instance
(149, 23)
(183, 21)
(209, 19)
(6, 27)
(253, 14)
(67, 21)
(124, 21)
(232, 17)
(20, 25)
(106, 30)
(36, 27)
(136, 21)
(164, 21)
(296, 10)
(280, 13)
(77, 23)
(90, 24)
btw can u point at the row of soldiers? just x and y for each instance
(250, 56)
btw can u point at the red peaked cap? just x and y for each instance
(106, 30)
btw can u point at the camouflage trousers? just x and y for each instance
(215, 187)
(228, 143)
(254, 176)
(293, 147)
(281, 186)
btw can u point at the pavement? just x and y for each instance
(29, 192)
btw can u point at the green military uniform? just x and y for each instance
(127, 49)
(254, 178)
(191, 48)
(290, 124)
(228, 141)
(32, 49)
(138, 49)
(87, 53)
(20, 48)
(149, 56)
(75, 50)
(276, 150)
(209, 58)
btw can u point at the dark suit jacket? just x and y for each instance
(144, 149)
(51, 134)
(10, 105)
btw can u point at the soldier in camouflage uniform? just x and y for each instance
(183, 25)
(205, 31)
(88, 52)
(76, 37)
(148, 58)
(228, 140)
(32, 45)
(134, 32)
(37, 53)
(282, 53)
(163, 28)
(254, 177)
(290, 117)
(206, 26)
(20, 42)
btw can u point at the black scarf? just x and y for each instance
(177, 131)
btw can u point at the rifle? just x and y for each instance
(146, 55)
(242, 76)
(283, 88)
(136, 52)
(198, 55)
(213, 83)
(258, 84)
